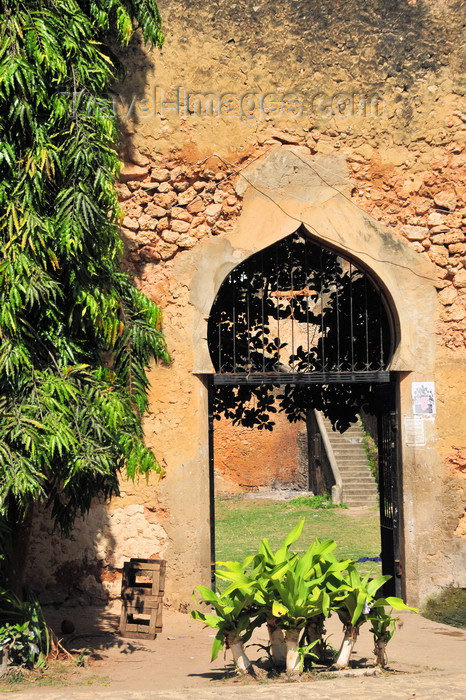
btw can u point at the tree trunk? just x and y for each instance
(239, 655)
(380, 651)
(277, 644)
(293, 660)
(315, 631)
(347, 645)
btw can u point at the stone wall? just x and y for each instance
(379, 86)
(250, 458)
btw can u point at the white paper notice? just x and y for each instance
(415, 432)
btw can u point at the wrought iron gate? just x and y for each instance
(387, 429)
(298, 309)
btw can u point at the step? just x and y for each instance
(359, 485)
(360, 504)
(357, 456)
(351, 489)
(355, 481)
(350, 450)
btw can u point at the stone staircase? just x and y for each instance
(359, 486)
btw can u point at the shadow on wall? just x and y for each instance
(86, 567)
(73, 570)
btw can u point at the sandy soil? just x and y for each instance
(180, 656)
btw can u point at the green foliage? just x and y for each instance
(24, 633)
(233, 616)
(382, 625)
(75, 334)
(296, 591)
(372, 453)
(317, 502)
(5, 546)
(18, 640)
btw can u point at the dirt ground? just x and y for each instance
(180, 656)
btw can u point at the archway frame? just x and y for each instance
(282, 191)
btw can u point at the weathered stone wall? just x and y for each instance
(381, 85)
(250, 458)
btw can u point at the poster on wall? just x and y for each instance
(423, 395)
(415, 433)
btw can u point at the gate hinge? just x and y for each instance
(398, 568)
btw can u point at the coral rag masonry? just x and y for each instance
(347, 123)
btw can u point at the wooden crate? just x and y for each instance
(142, 589)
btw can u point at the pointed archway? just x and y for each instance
(281, 193)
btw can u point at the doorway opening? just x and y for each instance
(298, 328)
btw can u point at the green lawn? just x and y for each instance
(242, 523)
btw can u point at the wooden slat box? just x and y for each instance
(142, 590)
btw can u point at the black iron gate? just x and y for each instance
(388, 448)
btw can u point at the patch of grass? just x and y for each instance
(449, 607)
(316, 502)
(242, 523)
(95, 679)
(59, 673)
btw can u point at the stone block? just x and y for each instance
(200, 231)
(155, 210)
(181, 214)
(165, 200)
(169, 236)
(147, 223)
(130, 224)
(161, 175)
(164, 187)
(457, 249)
(132, 172)
(435, 219)
(415, 233)
(439, 255)
(446, 200)
(166, 250)
(180, 186)
(460, 279)
(149, 253)
(447, 296)
(199, 185)
(187, 196)
(453, 236)
(213, 210)
(185, 241)
(179, 226)
(196, 206)
(455, 312)
(122, 191)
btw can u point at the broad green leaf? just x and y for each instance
(217, 646)
(278, 609)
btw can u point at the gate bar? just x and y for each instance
(256, 378)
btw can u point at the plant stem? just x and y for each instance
(292, 654)
(380, 651)
(314, 631)
(240, 657)
(349, 639)
(277, 644)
